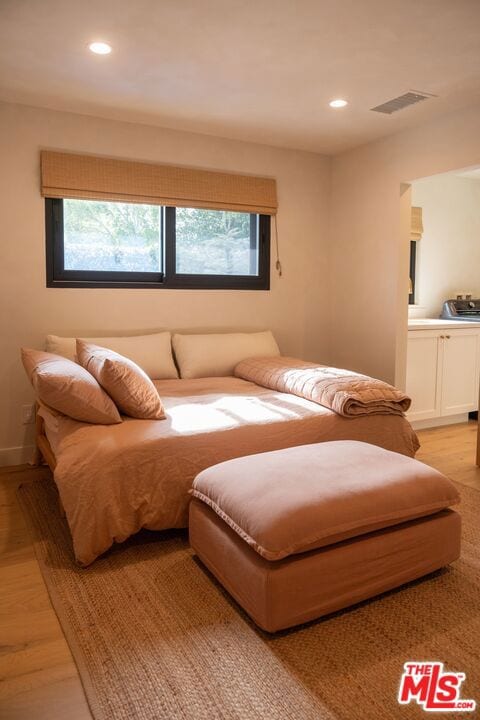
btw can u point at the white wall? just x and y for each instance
(448, 255)
(370, 243)
(295, 307)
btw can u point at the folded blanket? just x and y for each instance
(347, 393)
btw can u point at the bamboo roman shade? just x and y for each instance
(66, 175)
(416, 227)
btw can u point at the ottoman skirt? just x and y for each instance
(283, 593)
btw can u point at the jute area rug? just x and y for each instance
(156, 638)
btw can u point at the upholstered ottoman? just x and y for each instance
(298, 533)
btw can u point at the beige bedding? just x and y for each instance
(114, 480)
(347, 393)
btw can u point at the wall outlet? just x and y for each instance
(28, 414)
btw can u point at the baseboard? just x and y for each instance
(16, 455)
(439, 421)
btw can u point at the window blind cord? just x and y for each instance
(278, 264)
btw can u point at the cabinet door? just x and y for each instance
(424, 374)
(460, 372)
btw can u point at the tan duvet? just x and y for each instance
(114, 480)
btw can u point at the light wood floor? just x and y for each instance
(38, 678)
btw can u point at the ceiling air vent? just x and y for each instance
(402, 101)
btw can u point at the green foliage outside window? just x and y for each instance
(114, 236)
(212, 242)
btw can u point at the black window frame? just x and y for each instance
(57, 276)
(413, 270)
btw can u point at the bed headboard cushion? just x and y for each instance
(153, 353)
(66, 387)
(216, 355)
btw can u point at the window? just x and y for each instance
(96, 243)
(416, 231)
(413, 271)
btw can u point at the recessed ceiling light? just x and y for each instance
(100, 48)
(338, 103)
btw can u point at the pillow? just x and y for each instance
(302, 498)
(152, 352)
(216, 355)
(65, 386)
(131, 389)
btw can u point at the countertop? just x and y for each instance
(438, 324)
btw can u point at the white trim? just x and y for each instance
(16, 455)
(439, 421)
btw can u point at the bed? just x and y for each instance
(114, 480)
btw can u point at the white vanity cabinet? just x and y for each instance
(443, 371)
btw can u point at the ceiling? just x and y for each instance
(256, 70)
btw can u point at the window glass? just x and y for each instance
(215, 242)
(112, 236)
